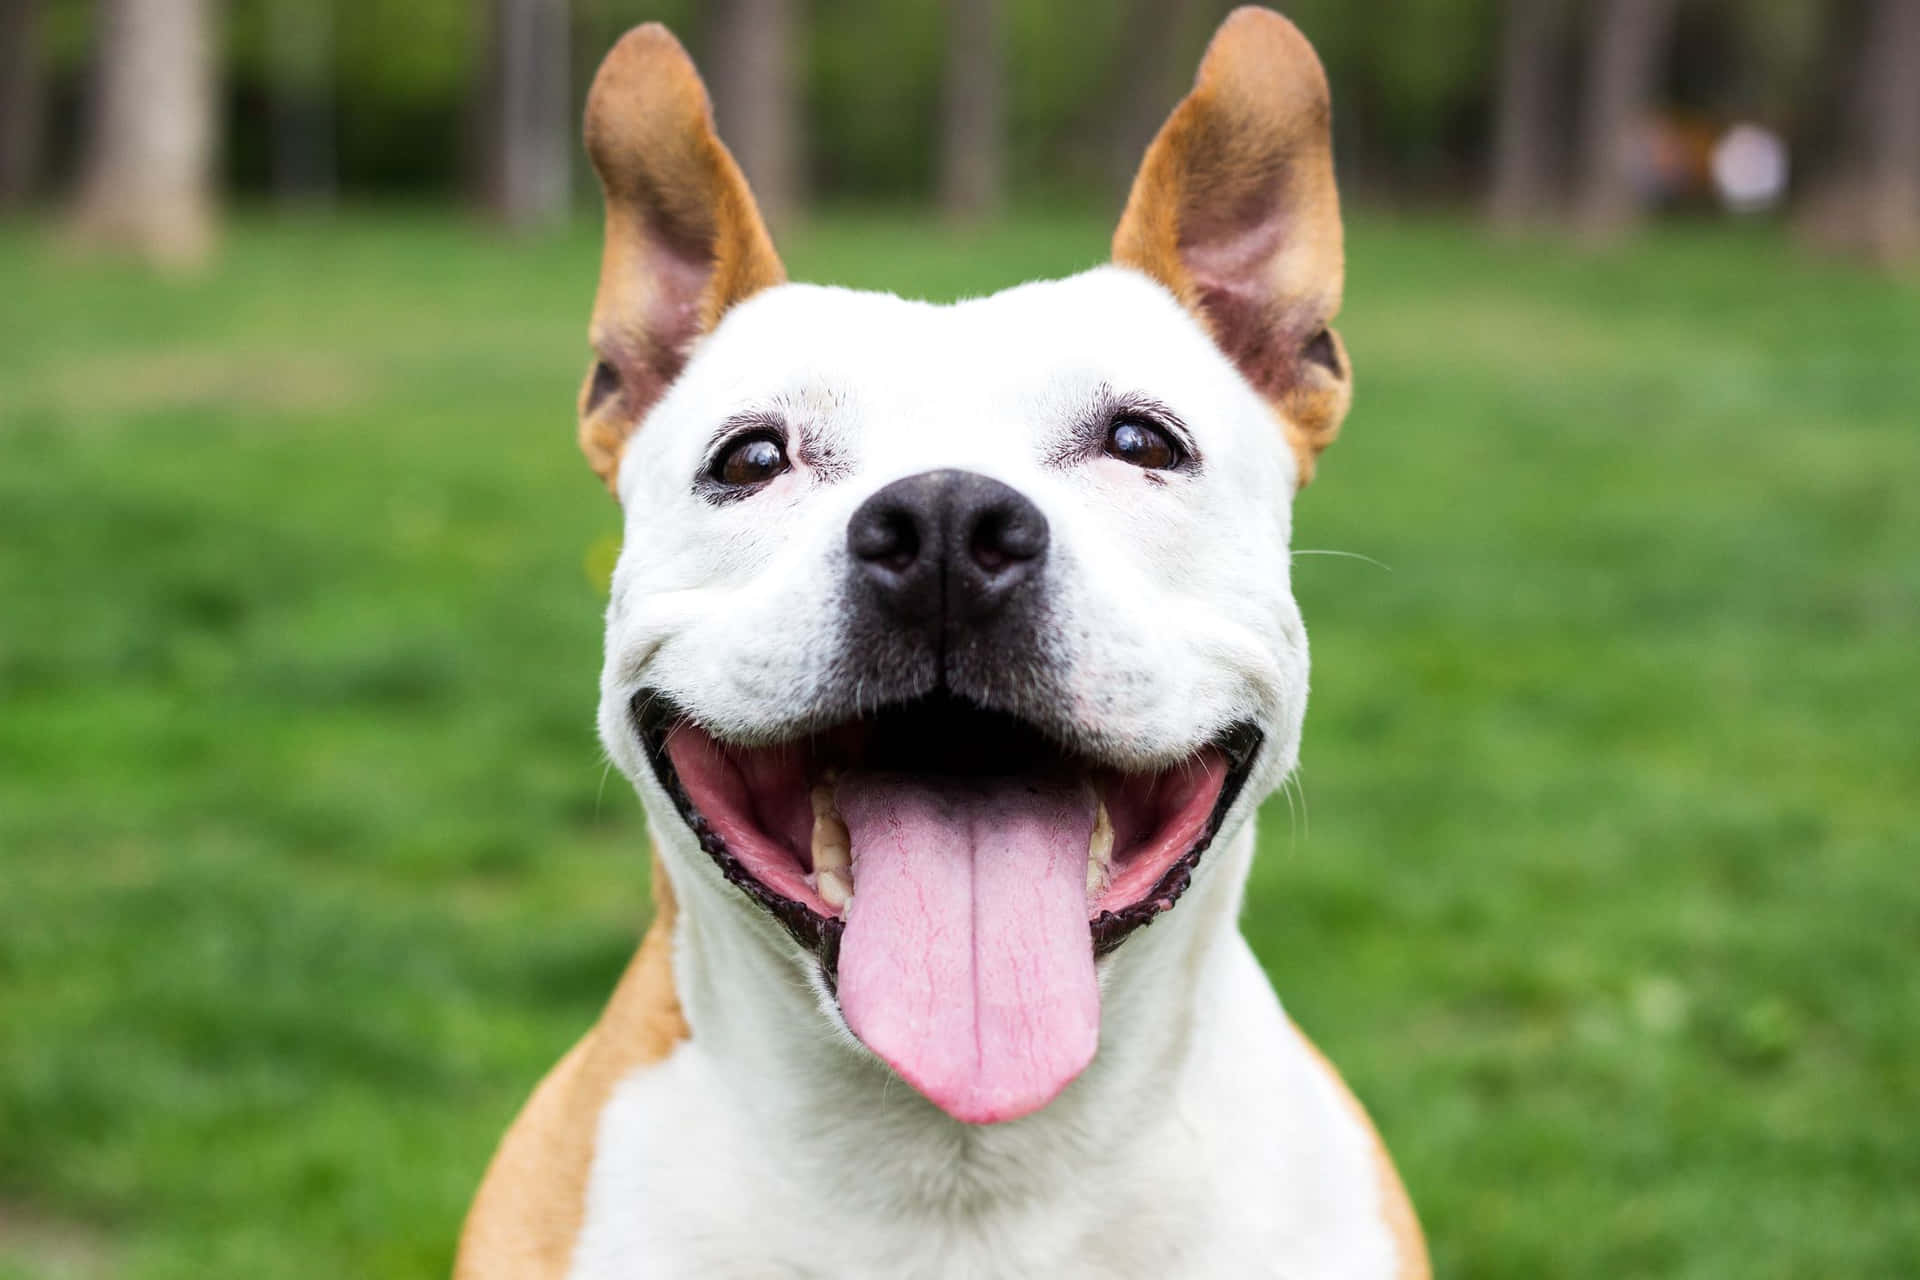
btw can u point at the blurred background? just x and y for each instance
(1599, 881)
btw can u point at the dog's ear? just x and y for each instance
(1234, 210)
(684, 239)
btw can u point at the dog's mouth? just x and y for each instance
(957, 872)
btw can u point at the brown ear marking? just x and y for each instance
(1235, 211)
(684, 239)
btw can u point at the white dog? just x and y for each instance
(952, 652)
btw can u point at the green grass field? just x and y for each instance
(1604, 897)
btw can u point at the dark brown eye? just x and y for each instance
(1143, 445)
(752, 461)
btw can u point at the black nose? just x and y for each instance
(946, 543)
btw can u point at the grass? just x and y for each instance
(1606, 899)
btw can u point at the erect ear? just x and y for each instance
(1234, 210)
(684, 240)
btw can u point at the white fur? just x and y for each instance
(1202, 1141)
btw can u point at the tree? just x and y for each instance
(1523, 152)
(972, 147)
(1872, 204)
(527, 107)
(1150, 69)
(147, 175)
(750, 60)
(1629, 43)
(300, 85)
(22, 99)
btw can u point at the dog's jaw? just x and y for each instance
(954, 874)
(765, 1017)
(751, 980)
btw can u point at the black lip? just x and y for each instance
(655, 715)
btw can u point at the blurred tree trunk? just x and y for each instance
(751, 59)
(1890, 82)
(1872, 204)
(1523, 159)
(300, 71)
(146, 179)
(528, 133)
(1148, 74)
(22, 100)
(1629, 44)
(972, 142)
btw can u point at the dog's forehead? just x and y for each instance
(867, 353)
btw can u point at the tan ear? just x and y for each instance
(684, 240)
(1234, 210)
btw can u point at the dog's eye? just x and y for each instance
(1143, 445)
(749, 462)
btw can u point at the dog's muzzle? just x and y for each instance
(940, 831)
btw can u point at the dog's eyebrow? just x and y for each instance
(820, 449)
(1102, 408)
(735, 424)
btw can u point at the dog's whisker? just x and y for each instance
(606, 768)
(1344, 555)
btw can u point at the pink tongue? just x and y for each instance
(967, 963)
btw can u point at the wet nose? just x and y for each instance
(950, 544)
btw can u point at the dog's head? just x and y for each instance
(952, 635)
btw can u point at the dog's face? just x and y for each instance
(951, 635)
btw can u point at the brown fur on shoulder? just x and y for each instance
(1235, 211)
(527, 1216)
(1410, 1246)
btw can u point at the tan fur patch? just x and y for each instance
(527, 1216)
(1235, 211)
(684, 239)
(1409, 1244)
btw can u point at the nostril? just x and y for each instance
(902, 543)
(1004, 536)
(889, 539)
(988, 547)
(990, 557)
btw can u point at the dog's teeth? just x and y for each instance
(832, 846)
(832, 887)
(1099, 851)
(832, 851)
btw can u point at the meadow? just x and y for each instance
(1601, 887)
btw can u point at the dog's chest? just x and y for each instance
(703, 1202)
(1261, 1179)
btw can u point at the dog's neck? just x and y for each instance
(754, 1007)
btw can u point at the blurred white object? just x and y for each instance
(1750, 168)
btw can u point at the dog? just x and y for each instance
(951, 651)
